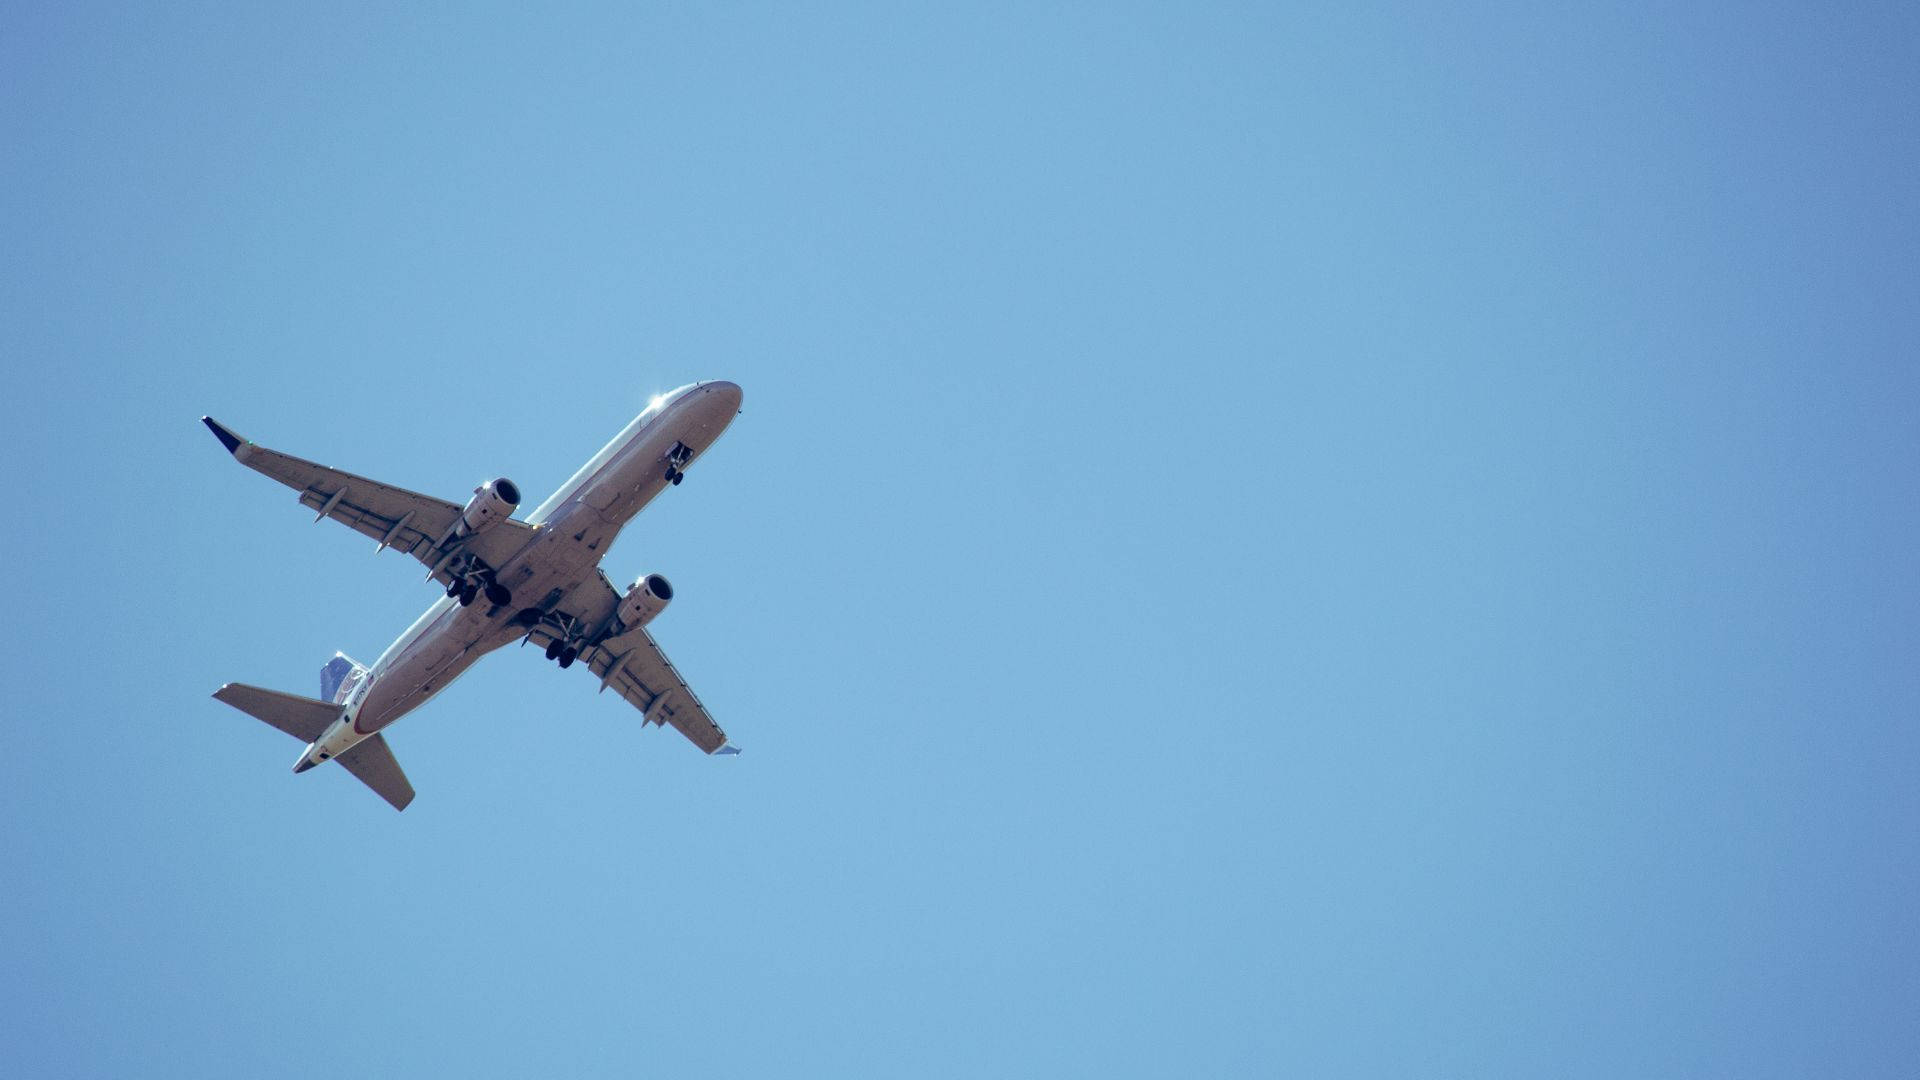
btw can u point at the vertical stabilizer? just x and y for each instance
(340, 677)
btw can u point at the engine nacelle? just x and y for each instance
(492, 502)
(646, 599)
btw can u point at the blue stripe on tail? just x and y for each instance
(339, 678)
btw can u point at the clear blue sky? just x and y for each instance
(1342, 540)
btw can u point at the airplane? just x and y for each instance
(537, 580)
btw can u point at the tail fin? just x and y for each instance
(339, 678)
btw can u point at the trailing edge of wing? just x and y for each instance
(649, 681)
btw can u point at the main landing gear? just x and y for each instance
(561, 651)
(468, 587)
(569, 634)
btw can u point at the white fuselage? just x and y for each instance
(573, 529)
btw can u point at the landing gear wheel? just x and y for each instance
(497, 594)
(467, 594)
(567, 657)
(679, 476)
(553, 650)
(453, 590)
(673, 475)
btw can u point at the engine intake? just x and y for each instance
(492, 502)
(644, 601)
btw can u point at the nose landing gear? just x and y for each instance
(677, 459)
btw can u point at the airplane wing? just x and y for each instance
(400, 519)
(632, 665)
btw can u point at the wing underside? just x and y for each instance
(419, 525)
(632, 665)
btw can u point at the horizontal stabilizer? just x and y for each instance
(306, 719)
(373, 762)
(301, 717)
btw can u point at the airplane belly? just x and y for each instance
(425, 667)
(449, 638)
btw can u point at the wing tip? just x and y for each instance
(727, 750)
(227, 438)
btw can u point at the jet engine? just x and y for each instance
(492, 502)
(646, 599)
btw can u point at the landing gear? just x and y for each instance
(474, 580)
(677, 459)
(568, 635)
(566, 654)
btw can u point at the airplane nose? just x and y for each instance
(724, 393)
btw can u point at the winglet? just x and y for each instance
(227, 438)
(727, 749)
